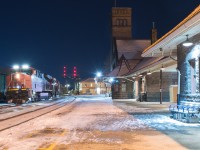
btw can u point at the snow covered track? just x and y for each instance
(19, 119)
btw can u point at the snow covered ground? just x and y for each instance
(96, 122)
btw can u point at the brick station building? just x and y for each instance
(132, 72)
(187, 56)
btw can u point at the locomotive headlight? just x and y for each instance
(17, 76)
(16, 67)
(25, 66)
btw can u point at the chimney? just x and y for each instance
(153, 34)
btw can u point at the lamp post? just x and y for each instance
(68, 85)
(98, 76)
(161, 83)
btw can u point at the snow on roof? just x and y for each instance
(114, 72)
(190, 25)
(133, 62)
(146, 62)
(119, 71)
(131, 49)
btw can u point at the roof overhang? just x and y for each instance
(168, 63)
(167, 45)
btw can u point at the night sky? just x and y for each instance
(48, 34)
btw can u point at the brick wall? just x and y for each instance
(188, 60)
(153, 85)
(118, 89)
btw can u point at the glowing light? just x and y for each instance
(98, 90)
(99, 74)
(25, 66)
(162, 68)
(111, 80)
(17, 76)
(149, 73)
(16, 67)
(187, 43)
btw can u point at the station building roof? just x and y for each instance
(168, 43)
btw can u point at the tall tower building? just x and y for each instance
(121, 23)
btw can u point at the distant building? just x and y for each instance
(87, 86)
(91, 86)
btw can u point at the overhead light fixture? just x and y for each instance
(162, 68)
(149, 73)
(187, 43)
(140, 75)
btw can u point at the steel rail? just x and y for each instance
(26, 120)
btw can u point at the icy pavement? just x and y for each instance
(163, 122)
(94, 122)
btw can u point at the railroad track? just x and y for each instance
(7, 106)
(16, 120)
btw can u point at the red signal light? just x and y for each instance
(74, 72)
(64, 71)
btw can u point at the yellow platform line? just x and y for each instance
(51, 147)
(63, 133)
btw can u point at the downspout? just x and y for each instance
(161, 82)
(178, 94)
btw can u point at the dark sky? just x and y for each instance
(48, 34)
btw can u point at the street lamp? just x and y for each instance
(99, 74)
(111, 80)
(67, 86)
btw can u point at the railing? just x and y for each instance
(185, 113)
(184, 108)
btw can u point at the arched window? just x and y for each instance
(121, 22)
